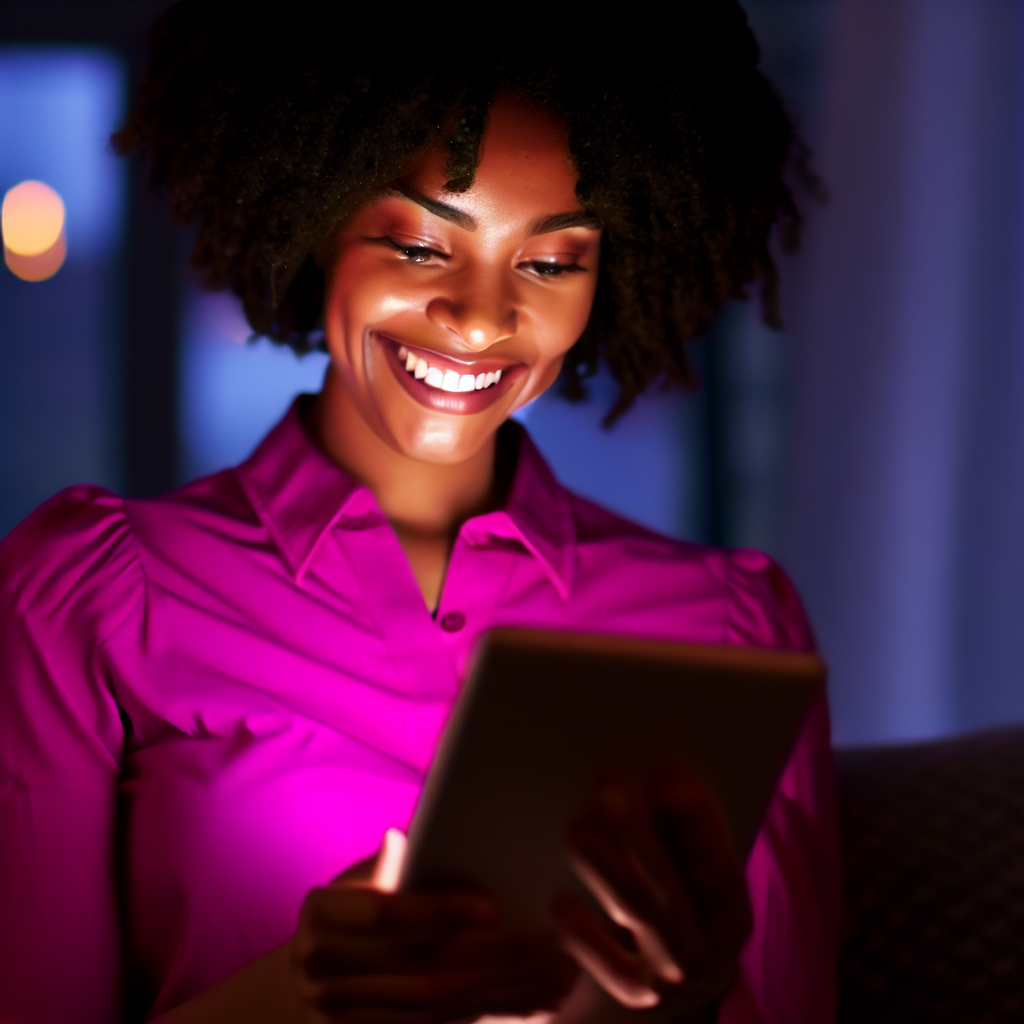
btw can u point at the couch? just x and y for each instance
(933, 861)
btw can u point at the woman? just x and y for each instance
(218, 700)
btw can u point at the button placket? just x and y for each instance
(477, 576)
(379, 564)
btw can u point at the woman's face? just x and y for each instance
(446, 312)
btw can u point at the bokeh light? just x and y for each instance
(33, 231)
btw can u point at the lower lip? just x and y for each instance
(459, 403)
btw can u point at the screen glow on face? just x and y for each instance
(447, 312)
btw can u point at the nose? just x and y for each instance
(481, 311)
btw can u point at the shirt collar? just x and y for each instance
(296, 491)
(300, 495)
(537, 514)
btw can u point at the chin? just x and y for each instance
(443, 444)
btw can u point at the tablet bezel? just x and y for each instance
(487, 772)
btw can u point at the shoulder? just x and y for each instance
(207, 510)
(74, 555)
(742, 596)
(765, 609)
(87, 562)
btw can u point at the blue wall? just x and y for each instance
(59, 351)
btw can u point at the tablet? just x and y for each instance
(544, 715)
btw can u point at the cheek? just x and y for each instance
(360, 293)
(351, 285)
(565, 315)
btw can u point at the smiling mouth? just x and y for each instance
(445, 379)
(445, 384)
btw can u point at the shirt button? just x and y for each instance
(452, 622)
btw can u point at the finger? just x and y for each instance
(355, 929)
(695, 864)
(451, 994)
(345, 953)
(472, 947)
(529, 1006)
(613, 853)
(381, 870)
(360, 909)
(691, 809)
(695, 830)
(647, 937)
(697, 827)
(621, 859)
(383, 1015)
(623, 813)
(331, 954)
(623, 975)
(387, 871)
(534, 986)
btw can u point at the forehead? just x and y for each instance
(524, 167)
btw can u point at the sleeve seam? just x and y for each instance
(103, 642)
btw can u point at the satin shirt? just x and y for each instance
(215, 700)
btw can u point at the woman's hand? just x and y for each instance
(662, 866)
(367, 956)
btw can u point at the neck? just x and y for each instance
(424, 498)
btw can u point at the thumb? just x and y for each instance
(387, 871)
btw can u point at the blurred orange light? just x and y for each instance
(33, 231)
(40, 266)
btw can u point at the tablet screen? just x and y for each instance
(544, 715)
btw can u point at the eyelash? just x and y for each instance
(422, 254)
(542, 269)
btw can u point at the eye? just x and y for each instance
(543, 268)
(416, 253)
(410, 253)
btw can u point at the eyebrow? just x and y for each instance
(442, 210)
(561, 221)
(544, 226)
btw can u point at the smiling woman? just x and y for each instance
(232, 693)
(430, 292)
(496, 280)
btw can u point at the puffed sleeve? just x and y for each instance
(788, 968)
(69, 576)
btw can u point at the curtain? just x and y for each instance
(904, 517)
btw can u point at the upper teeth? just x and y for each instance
(445, 380)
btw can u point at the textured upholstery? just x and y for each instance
(933, 847)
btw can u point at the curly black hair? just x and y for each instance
(269, 123)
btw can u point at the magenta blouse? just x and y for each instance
(218, 699)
